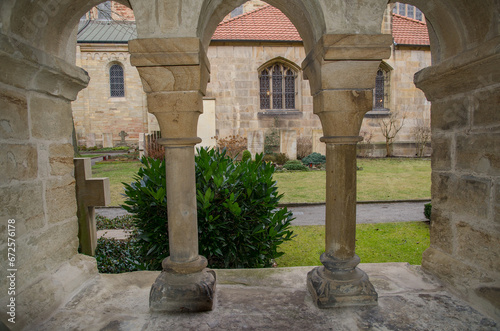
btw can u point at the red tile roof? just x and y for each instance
(265, 23)
(407, 31)
(268, 23)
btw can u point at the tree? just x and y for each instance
(390, 127)
(422, 135)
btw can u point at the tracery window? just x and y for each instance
(277, 87)
(116, 81)
(381, 91)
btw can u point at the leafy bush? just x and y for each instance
(428, 211)
(314, 158)
(269, 158)
(116, 256)
(294, 165)
(281, 158)
(239, 223)
(246, 156)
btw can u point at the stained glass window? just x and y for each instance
(116, 81)
(277, 87)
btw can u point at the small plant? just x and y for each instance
(314, 158)
(152, 147)
(304, 147)
(294, 165)
(428, 210)
(120, 222)
(116, 256)
(422, 135)
(390, 127)
(269, 158)
(281, 158)
(246, 156)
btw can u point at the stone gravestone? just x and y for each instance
(288, 143)
(90, 142)
(255, 141)
(122, 135)
(107, 140)
(141, 144)
(90, 192)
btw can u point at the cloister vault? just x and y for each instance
(344, 47)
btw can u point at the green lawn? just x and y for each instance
(117, 172)
(375, 243)
(379, 179)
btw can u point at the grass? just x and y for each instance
(375, 243)
(379, 179)
(117, 172)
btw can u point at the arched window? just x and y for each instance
(277, 87)
(116, 81)
(381, 91)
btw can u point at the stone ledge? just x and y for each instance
(281, 113)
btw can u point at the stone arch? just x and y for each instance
(306, 16)
(279, 59)
(49, 26)
(449, 24)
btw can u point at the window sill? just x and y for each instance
(378, 113)
(117, 99)
(280, 113)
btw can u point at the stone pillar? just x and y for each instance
(174, 74)
(341, 70)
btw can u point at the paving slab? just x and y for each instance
(271, 299)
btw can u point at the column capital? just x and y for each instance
(346, 61)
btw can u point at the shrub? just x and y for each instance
(116, 256)
(314, 158)
(239, 223)
(428, 211)
(246, 156)
(304, 147)
(294, 165)
(281, 158)
(269, 158)
(234, 145)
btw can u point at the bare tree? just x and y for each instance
(422, 135)
(390, 127)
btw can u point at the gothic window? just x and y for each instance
(381, 91)
(116, 81)
(418, 14)
(277, 87)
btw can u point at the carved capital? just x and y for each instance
(346, 61)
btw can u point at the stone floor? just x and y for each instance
(272, 299)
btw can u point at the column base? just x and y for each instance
(340, 287)
(173, 292)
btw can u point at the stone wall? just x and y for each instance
(95, 112)
(465, 226)
(37, 182)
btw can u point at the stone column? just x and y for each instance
(341, 70)
(174, 74)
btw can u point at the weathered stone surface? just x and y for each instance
(442, 231)
(479, 153)
(274, 299)
(485, 250)
(61, 159)
(14, 116)
(496, 210)
(90, 141)
(52, 117)
(450, 114)
(18, 162)
(107, 140)
(441, 152)
(60, 199)
(173, 292)
(24, 203)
